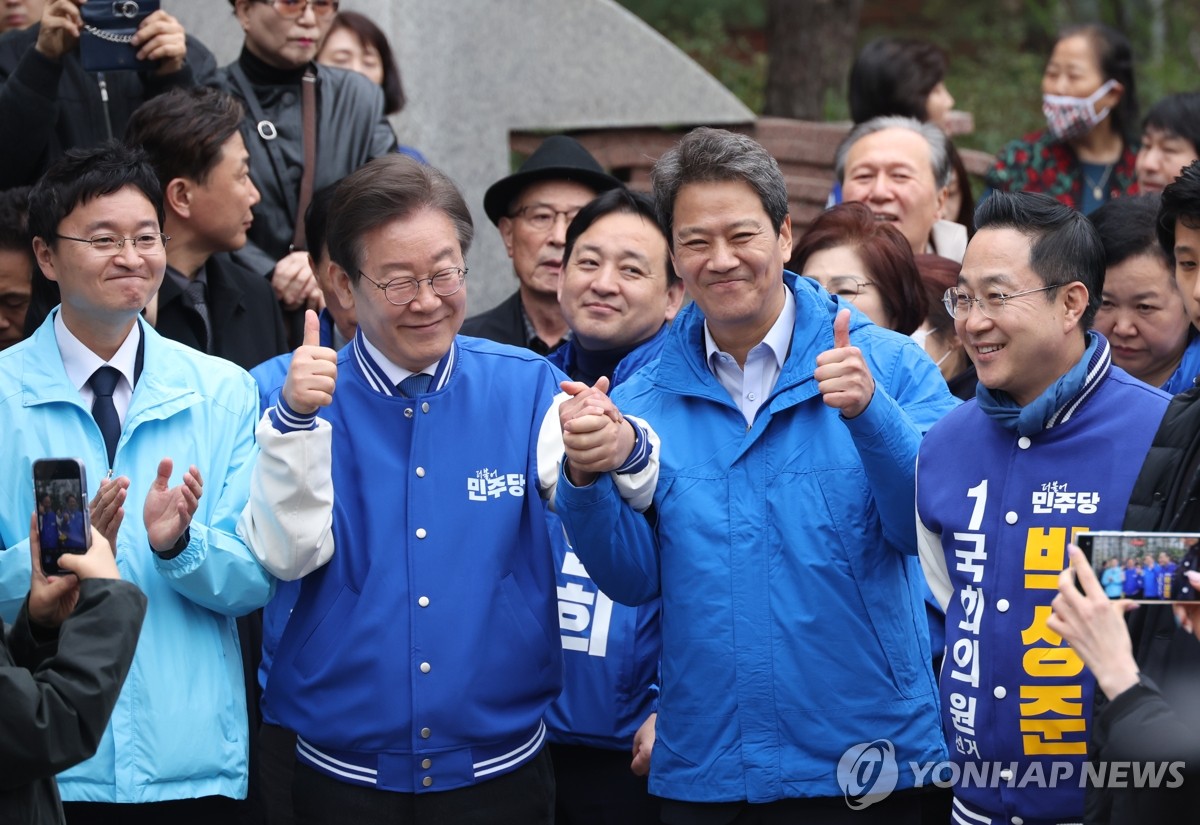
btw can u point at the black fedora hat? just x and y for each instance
(558, 158)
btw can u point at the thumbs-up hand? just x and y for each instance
(312, 375)
(843, 377)
(597, 438)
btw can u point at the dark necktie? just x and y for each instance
(414, 385)
(103, 382)
(195, 291)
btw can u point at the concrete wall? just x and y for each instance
(475, 70)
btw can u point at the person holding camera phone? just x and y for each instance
(51, 102)
(1165, 653)
(62, 665)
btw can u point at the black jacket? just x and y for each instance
(56, 696)
(247, 326)
(1160, 722)
(351, 130)
(505, 324)
(47, 106)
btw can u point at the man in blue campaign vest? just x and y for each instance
(780, 538)
(619, 293)
(1050, 446)
(423, 650)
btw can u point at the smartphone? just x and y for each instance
(64, 526)
(1147, 568)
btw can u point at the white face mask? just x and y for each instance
(1072, 117)
(921, 336)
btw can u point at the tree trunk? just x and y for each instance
(810, 46)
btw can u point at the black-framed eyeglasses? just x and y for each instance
(542, 217)
(845, 286)
(295, 8)
(146, 243)
(401, 291)
(959, 303)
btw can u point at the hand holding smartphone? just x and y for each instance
(64, 526)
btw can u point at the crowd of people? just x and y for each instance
(636, 545)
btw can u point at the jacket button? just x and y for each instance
(1011, 517)
(1023, 442)
(423, 601)
(420, 472)
(999, 692)
(425, 667)
(1002, 605)
(1006, 774)
(426, 763)
(421, 533)
(425, 406)
(408, 413)
(427, 781)
(426, 733)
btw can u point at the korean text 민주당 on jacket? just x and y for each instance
(782, 556)
(610, 650)
(423, 650)
(994, 529)
(179, 729)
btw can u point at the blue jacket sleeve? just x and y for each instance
(217, 570)
(910, 396)
(615, 542)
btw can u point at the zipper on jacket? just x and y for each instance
(104, 103)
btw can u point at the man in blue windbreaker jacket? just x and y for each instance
(169, 448)
(1050, 446)
(423, 650)
(780, 535)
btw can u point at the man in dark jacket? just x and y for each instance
(207, 300)
(349, 124)
(532, 208)
(61, 667)
(49, 104)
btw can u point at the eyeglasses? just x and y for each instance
(958, 303)
(543, 217)
(150, 242)
(402, 291)
(296, 8)
(846, 286)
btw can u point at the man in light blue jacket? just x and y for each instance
(171, 433)
(795, 676)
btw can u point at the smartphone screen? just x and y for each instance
(1143, 567)
(60, 490)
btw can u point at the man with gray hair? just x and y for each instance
(900, 168)
(780, 538)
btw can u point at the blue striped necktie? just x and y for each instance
(414, 385)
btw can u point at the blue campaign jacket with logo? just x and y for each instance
(179, 729)
(610, 650)
(782, 555)
(1005, 508)
(1184, 377)
(431, 634)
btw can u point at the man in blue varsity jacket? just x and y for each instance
(1050, 446)
(423, 650)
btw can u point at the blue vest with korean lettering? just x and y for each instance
(423, 655)
(610, 650)
(1015, 700)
